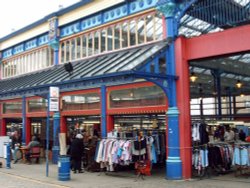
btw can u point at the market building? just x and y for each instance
(126, 65)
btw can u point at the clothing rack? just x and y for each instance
(241, 169)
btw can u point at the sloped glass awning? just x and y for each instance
(207, 16)
(110, 69)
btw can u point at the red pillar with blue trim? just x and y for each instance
(183, 103)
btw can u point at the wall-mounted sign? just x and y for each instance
(54, 99)
(54, 104)
(54, 92)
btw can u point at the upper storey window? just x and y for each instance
(28, 62)
(128, 33)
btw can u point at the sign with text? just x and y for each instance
(54, 104)
(54, 99)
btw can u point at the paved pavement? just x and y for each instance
(34, 176)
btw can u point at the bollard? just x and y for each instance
(8, 155)
(63, 168)
(55, 154)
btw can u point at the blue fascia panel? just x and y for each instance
(18, 49)
(115, 13)
(44, 39)
(7, 53)
(140, 5)
(31, 44)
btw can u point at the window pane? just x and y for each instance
(12, 107)
(81, 102)
(62, 53)
(90, 44)
(110, 38)
(78, 44)
(37, 105)
(73, 49)
(158, 27)
(117, 37)
(84, 46)
(140, 31)
(97, 36)
(150, 28)
(124, 35)
(137, 97)
(67, 51)
(103, 40)
(132, 32)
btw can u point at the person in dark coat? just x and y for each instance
(242, 135)
(76, 151)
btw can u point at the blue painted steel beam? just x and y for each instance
(47, 136)
(96, 81)
(56, 130)
(103, 112)
(24, 120)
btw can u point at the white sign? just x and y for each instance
(54, 104)
(54, 92)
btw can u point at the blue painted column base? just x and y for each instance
(8, 156)
(55, 154)
(173, 168)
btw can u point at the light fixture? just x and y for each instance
(131, 94)
(242, 95)
(224, 99)
(193, 77)
(69, 68)
(238, 84)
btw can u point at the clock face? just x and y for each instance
(52, 27)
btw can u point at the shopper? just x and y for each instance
(15, 144)
(229, 135)
(76, 151)
(32, 143)
(242, 135)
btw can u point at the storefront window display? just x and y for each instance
(81, 102)
(12, 107)
(137, 97)
(37, 105)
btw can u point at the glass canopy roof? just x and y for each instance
(208, 16)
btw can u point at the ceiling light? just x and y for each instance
(193, 77)
(238, 84)
(242, 95)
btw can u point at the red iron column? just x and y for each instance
(183, 103)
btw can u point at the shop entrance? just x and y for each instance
(86, 125)
(219, 90)
(13, 125)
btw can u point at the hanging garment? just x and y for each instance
(196, 132)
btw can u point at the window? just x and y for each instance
(37, 105)
(12, 107)
(135, 31)
(28, 62)
(81, 102)
(137, 97)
